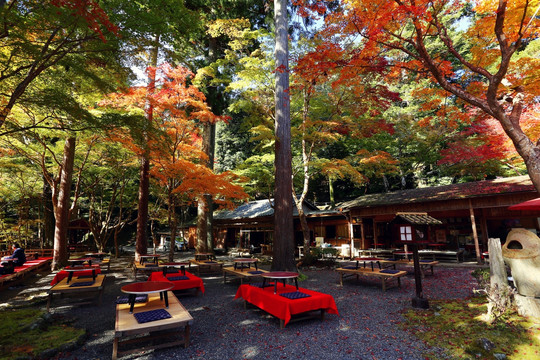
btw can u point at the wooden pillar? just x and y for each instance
(375, 240)
(485, 234)
(475, 234)
(363, 234)
(351, 236)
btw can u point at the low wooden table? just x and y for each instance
(242, 273)
(81, 261)
(153, 257)
(208, 265)
(138, 267)
(126, 325)
(242, 262)
(383, 275)
(73, 269)
(424, 264)
(63, 287)
(204, 256)
(284, 308)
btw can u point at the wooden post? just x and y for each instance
(475, 234)
(363, 234)
(418, 301)
(351, 236)
(375, 240)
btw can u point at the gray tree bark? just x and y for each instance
(283, 202)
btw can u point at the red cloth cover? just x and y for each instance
(64, 274)
(192, 283)
(282, 307)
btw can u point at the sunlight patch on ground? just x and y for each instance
(248, 322)
(250, 352)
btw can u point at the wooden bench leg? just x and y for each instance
(383, 284)
(49, 301)
(399, 281)
(115, 349)
(186, 336)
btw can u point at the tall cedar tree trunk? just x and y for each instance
(283, 215)
(210, 148)
(61, 210)
(205, 206)
(48, 215)
(205, 236)
(141, 244)
(306, 156)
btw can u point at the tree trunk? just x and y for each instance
(60, 255)
(48, 215)
(172, 221)
(205, 205)
(331, 190)
(498, 293)
(141, 244)
(305, 231)
(202, 233)
(283, 216)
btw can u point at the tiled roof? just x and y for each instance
(419, 218)
(484, 188)
(257, 209)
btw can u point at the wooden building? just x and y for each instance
(470, 213)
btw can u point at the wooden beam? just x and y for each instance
(475, 234)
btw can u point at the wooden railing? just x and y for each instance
(39, 252)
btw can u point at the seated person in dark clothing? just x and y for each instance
(18, 256)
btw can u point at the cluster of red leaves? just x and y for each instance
(178, 111)
(91, 12)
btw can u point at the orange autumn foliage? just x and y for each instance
(175, 147)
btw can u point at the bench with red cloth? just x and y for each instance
(299, 301)
(30, 266)
(181, 280)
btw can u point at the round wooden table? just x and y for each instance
(244, 261)
(145, 288)
(280, 275)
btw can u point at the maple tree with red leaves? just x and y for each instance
(468, 48)
(174, 149)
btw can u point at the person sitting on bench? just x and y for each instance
(18, 256)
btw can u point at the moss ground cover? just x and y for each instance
(26, 333)
(460, 328)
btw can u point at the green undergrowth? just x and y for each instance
(460, 328)
(28, 332)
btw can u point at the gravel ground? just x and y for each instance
(366, 328)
